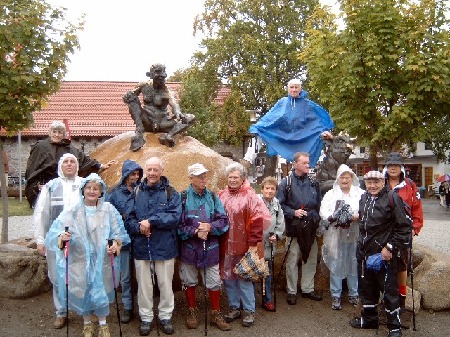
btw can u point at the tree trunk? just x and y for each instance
(373, 157)
(4, 234)
(270, 168)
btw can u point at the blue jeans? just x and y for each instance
(268, 285)
(125, 279)
(240, 290)
(336, 285)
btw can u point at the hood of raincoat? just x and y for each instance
(95, 178)
(60, 162)
(128, 167)
(342, 169)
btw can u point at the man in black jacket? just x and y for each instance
(300, 197)
(384, 231)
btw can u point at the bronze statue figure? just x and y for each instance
(153, 115)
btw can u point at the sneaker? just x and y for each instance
(59, 322)
(292, 299)
(166, 326)
(248, 319)
(353, 300)
(127, 315)
(219, 321)
(336, 303)
(145, 328)
(312, 296)
(191, 319)
(232, 315)
(103, 331)
(358, 323)
(269, 306)
(88, 331)
(395, 333)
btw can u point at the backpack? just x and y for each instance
(405, 206)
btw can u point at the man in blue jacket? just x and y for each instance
(153, 224)
(122, 198)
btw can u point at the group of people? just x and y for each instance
(89, 233)
(91, 236)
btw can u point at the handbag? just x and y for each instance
(251, 267)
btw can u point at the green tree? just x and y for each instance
(385, 73)
(252, 45)
(35, 43)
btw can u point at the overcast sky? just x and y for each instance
(122, 39)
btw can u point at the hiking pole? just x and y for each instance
(282, 263)
(206, 290)
(66, 256)
(411, 260)
(272, 263)
(152, 274)
(111, 258)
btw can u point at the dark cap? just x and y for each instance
(394, 158)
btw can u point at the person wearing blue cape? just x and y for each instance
(295, 123)
(86, 231)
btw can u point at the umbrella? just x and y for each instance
(444, 177)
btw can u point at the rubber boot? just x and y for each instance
(191, 319)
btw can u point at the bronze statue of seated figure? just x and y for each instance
(153, 114)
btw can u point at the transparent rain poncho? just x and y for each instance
(339, 243)
(89, 273)
(248, 217)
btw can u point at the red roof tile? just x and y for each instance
(93, 109)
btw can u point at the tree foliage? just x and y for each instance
(386, 73)
(251, 45)
(35, 43)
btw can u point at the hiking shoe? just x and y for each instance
(232, 315)
(395, 333)
(218, 321)
(191, 319)
(88, 331)
(336, 303)
(59, 322)
(127, 315)
(248, 319)
(358, 323)
(292, 299)
(103, 331)
(166, 326)
(269, 306)
(312, 296)
(353, 300)
(145, 328)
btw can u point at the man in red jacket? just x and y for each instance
(408, 191)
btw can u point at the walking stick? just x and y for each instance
(152, 274)
(282, 263)
(411, 260)
(206, 290)
(272, 263)
(66, 256)
(111, 258)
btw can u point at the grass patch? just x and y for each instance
(17, 208)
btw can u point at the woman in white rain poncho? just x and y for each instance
(91, 223)
(339, 242)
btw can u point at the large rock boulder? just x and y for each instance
(176, 159)
(431, 277)
(23, 272)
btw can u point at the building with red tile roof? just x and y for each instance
(94, 111)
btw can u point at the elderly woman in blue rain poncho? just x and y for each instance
(295, 123)
(87, 227)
